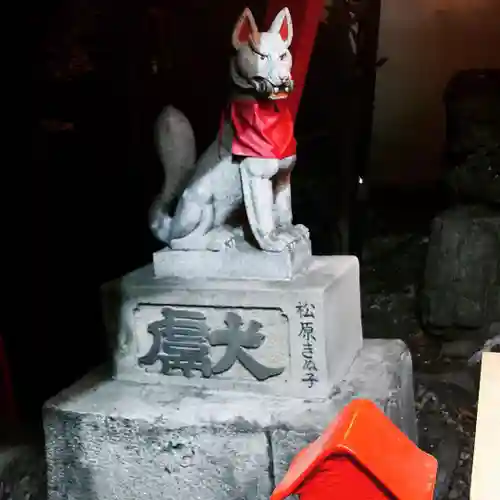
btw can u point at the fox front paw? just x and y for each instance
(220, 239)
(278, 240)
(300, 231)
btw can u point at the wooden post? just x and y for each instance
(306, 15)
(485, 484)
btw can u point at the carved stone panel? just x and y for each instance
(189, 341)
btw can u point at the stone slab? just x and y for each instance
(108, 439)
(461, 290)
(304, 333)
(243, 261)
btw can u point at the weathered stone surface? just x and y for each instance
(477, 177)
(462, 277)
(243, 261)
(108, 457)
(109, 439)
(308, 329)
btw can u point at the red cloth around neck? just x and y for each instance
(262, 128)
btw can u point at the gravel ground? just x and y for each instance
(446, 388)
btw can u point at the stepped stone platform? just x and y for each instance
(109, 439)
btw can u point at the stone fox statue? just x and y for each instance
(250, 161)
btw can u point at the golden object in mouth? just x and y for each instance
(278, 95)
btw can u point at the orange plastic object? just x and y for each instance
(361, 455)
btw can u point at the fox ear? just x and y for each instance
(244, 29)
(282, 24)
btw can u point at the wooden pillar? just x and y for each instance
(306, 15)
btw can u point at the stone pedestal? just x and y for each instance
(244, 261)
(218, 383)
(112, 439)
(294, 337)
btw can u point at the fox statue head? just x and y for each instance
(263, 61)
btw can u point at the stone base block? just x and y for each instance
(297, 337)
(109, 439)
(462, 277)
(244, 261)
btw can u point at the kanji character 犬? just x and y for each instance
(236, 339)
(180, 342)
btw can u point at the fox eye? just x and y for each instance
(262, 58)
(282, 56)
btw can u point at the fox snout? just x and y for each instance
(266, 86)
(276, 77)
(283, 81)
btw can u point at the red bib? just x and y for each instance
(262, 129)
